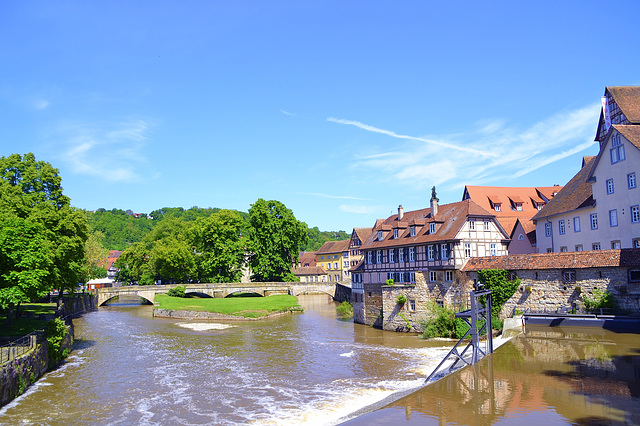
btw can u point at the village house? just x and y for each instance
(552, 281)
(599, 208)
(513, 207)
(334, 257)
(429, 244)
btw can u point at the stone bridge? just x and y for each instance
(220, 290)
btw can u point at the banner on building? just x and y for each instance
(605, 112)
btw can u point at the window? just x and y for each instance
(613, 217)
(401, 254)
(380, 236)
(563, 249)
(487, 225)
(472, 224)
(549, 250)
(519, 207)
(378, 256)
(494, 250)
(440, 303)
(576, 224)
(497, 207)
(609, 186)
(412, 231)
(432, 228)
(547, 229)
(595, 246)
(329, 265)
(631, 180)
(561, 227)
(430, 253)
(636, 243)
(445, 251)
(579, 247)
(321, 257)
(448, 276)
(392, 255)
(395, 233)
(369, 257)
(569, 276)
(467, 249)
(433, 277)
(594, 220)
(615, 245)
(412, 254)
(635, 214)
(412, 305)
(617, 150)
(345, 264)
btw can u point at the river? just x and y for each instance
(313, 368)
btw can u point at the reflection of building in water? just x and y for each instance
(549, 375)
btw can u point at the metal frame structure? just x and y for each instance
(478, 311)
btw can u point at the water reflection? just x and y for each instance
(548, 375)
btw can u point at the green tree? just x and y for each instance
(275, 238)
(43, 236)
(219, 246)
(497, 280)
(94, 256)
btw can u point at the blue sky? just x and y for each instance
(340, 110)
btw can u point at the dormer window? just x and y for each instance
(395, 233)
(540, 206)
(432, 228)
(412, 231)
(497, 207)
(380, 236)
(519, 207)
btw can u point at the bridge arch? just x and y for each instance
(313, 291)
(247, 293)
(144, 300)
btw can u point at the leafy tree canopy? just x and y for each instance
(275, 238)
(42, 236)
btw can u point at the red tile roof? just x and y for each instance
(334, 247)
(310, 270)
(575, 194)
(449, 220)
(488, 196)
(569, 260)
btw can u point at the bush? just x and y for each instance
(390, 281)
(501, 287)
(55, 332)
(345, 310)
(599, 300)
(444, 323)
(401, 300)
(178, 291)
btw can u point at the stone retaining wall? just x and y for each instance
(17, 375)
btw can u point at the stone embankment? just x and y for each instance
(17, 374)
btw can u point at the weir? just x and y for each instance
(479, 311)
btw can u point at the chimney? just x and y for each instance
(400, 212)
(434, 202)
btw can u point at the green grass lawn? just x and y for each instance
(249, 307)
(24, 325)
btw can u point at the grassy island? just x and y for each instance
(246, 307)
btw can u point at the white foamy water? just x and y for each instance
(199, 326)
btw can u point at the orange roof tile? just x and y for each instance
(575, 194)
(569, 260)
(334, 247)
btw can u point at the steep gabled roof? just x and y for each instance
(362, 233)
(568, 260)
(487, 196)
(450, 218)
(307, 257)
(628, 100)
(630, 132)
(575, 194)
(334, 247)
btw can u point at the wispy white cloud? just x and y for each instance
(287, 113)
(359, 209)
(40, 104)
(339, 197)
(110, 151)
(493, 152)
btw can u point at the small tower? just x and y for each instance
(434, 202)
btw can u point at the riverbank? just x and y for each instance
(234, 308)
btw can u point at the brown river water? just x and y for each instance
(313, 368)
